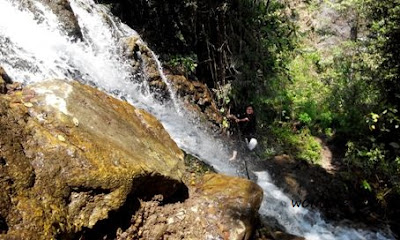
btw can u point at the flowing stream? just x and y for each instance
(33, 47)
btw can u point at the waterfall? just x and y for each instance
(33, 47)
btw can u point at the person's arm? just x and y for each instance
(246, 119)
(232, 117)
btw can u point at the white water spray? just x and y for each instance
(32, 51)
(172, 93)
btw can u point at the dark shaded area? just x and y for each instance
(4, 80)
(172, 190)
(146, 188)
(3, 226)
(107, 228)
(2, 161)
(5, 76)
(168, 26)
(180, 28)
(269, 228)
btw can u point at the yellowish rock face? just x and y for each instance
(232, 191)
(106, 123)
(81, 152)
(233, 204)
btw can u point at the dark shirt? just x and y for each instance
(248, 128)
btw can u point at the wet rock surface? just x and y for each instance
(196, 95)
(143, 60)
(62, 10)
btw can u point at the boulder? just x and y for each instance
(219, 207)
(233, 204)
(71, 154)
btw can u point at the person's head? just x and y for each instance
(249, 109)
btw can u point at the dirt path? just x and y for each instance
(326, 157)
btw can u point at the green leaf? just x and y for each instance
(365, 185)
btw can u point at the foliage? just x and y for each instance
(194, 165)
(187, 64)
(222, 94)
(306, 92)
(351, 92)
(263, 37)
(299, 144)
(365, 75)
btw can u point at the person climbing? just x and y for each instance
(247, 127)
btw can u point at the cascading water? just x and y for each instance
(34, 47)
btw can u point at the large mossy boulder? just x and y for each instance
(70, 154)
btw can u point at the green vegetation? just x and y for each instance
(351, 92)
(367, 83)
(300, 144)
(185, 64)
(347, 91)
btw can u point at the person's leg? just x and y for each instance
(234, 155)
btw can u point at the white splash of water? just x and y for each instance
(302, 221)
(51, 98)
(32, 51)
(172, 93)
